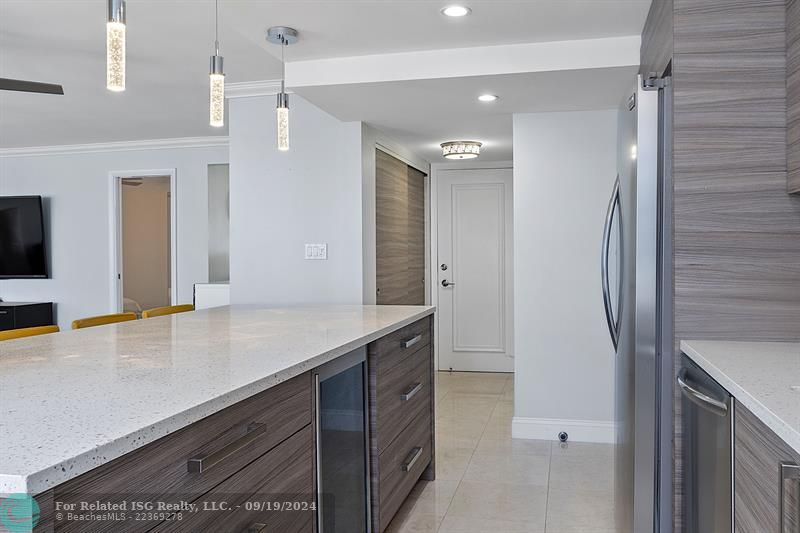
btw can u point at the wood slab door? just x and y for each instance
(400, 232)
(475, 264)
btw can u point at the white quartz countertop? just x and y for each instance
(72, 401)
(762, 376)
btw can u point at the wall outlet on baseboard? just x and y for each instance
(317, 251)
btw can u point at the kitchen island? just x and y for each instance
(83, 403)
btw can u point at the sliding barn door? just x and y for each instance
(400, 220)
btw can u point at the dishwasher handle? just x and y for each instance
(717, 407)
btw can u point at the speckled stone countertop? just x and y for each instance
(762, 376)
(72, 401)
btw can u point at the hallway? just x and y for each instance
(488, 482)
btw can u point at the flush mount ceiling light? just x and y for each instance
(284, 37)
(488, 98)
(216, 80)
(456, 11)
(461, 149)
(115, 46)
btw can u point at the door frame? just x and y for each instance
(433, 233)
(115, 231)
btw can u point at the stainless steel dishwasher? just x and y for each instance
(707, 424)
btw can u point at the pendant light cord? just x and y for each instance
(283, 65)
(216, 27)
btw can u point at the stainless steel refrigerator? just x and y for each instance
(636, 279)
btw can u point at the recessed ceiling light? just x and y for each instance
(488, 98)
(456, 11)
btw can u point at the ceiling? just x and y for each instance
(169, 42)
(422, 114)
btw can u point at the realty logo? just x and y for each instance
(19, 513)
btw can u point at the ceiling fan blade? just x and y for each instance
(7, 84)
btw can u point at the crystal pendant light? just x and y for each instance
(461, 149)
(115, 46)
(284, 37)
(216, 80)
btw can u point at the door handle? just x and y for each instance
(789, 472)
(613, 322)
(446, 284)
(410, 393)
(699, 398)
(412, 341)
(256, 528)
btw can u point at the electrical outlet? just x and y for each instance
(317, 252)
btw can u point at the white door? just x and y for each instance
(474, 267)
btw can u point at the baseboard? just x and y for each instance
(549, 428)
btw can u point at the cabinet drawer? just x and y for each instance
(403, 393)
(401, 465)
(284, 476)
(394, 348)
(224, 443)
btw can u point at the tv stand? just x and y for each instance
(15, 315)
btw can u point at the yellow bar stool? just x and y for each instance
(168, 310)
(102, 320)
(27, 332)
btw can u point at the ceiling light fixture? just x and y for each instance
(216, 79)
(488, 98)
(284, 37)
(461, 149)
(456, 11)
(115, 46)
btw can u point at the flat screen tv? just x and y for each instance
(22, 245)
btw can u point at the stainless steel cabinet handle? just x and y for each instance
(705, 401)
(446, 284)
(412, 341)
(613, 322)
(411, 392)
(201, 463)
(256, 528)
(412, 458)
(789, 472)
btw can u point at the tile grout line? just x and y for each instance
(547, 495)
(474, 449)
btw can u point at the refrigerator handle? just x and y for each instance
(613, 323)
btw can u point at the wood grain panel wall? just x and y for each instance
(400, 232)
(736, 231)
(793, 93)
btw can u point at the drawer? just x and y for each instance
(392, 349)
(284, 476)
(401, 466)
(224, 443)
(403, 393)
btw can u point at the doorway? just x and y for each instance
(144, 266)
(474, 285)
(400, 232)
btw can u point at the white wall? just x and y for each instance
(77, 199)
(280, 201)
(564, 170)
(219, 224)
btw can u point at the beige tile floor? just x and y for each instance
(487, 482)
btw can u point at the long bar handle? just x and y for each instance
(258, 527)
(697, 397)
(201, 463)
(410, 393)
(788, 472)
(412, 458)
(412, 341)
(613, 323)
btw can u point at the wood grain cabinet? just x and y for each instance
(793, 94)
(401, 417)
(759, 483)
(262, 446)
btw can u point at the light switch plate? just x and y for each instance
(317, 252)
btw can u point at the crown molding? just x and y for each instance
(249, 89)
(121, 146)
